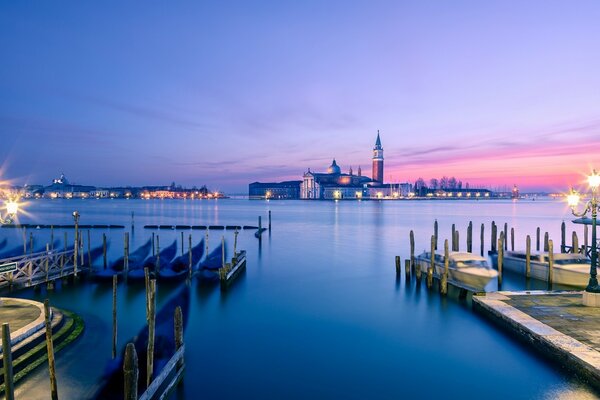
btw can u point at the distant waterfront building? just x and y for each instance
(378, 161)
(515, 192)
(333, 184)
(288, 190)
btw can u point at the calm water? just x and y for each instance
(318, 313)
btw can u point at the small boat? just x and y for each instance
(179, 268)
(569, 269)
(208, 270)
(88, 259)
(465, 270)
(3, 243)
(111, 386)
(259, 232)
(153, 262)
(116, 268)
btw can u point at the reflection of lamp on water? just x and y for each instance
(12, 208)
(591, 296)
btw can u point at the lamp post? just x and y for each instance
(12, 207)
(591, 295)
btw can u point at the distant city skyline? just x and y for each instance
(493, 93)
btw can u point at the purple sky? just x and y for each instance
(229, 93)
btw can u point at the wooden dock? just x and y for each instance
(33, 269)
(555, 323)
(230, 271)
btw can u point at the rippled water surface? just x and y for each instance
(318, 312)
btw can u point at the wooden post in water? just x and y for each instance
(130, 373)
(50, 349)
(482, 238)
(223, 251)
(62, 258)
(206, 242)
(48, 283)
(505, 236)
(157, 265)
(563, 237)
(89, 246)
(546, 239)
(537, 239)
(512, 239)
(182, 242)
(470, 237)
(457, 241)
(114, 342)
(407, 269)
(500, 261)
(153, 245)
(418, 273)
(81, 252)
(430, 270)
(235, 236)
(147, 286)
(190, 255)
(528, 257)
(126, 255)
(398, 265)
(550, 264)
(104, 263)
(259, 225)
(132, 222)
(575, 244)
(151, 326)
(444, 280)
(9, 384)
(178, 333)
(412, 249)
(269, 220)
(453, 237)
(435, 232)
(494, 236)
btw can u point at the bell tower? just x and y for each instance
(378, 161)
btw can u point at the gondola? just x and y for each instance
(116, 268)
(209, 268)
(178, 269)
(165, 256)
(111, 386)
(3, 243)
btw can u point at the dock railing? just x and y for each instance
(31, 269)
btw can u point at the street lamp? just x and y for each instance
(12, 208)
(592, 291)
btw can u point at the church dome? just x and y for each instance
(333, 168)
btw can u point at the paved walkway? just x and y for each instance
(18, 313)
(555, 322)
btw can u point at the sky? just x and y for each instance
(225, 93)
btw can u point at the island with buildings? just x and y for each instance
(333, 184)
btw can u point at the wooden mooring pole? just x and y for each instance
(269, 220)
(398, 265)
(114, 317)
(104, 260)
(190, 256)
(126, 255)
(537, 239)
(153, 244)
(431, 267)
(550, 264)
(412, 249)
(453, 237)
(89, 249)
(494, 236)
(130, 373)
(457, 241)
(546, 241)
(9, 384)
(505, 236)
(151, 326)
(528, 257)
(157, 264)
(444, 280)
(435, 232)
(500, 261)
(178, 333)
(563, 237)
(575, 243)
(407, 269)
(182, 243)
(482, 239)
(50, 349)
(512, 239)
(470, 237)
(206, 242)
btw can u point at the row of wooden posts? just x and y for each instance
(499, 244)
(9, 386)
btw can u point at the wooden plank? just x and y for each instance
(164, 374)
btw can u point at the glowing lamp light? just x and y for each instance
(573, 199)
(594, 180)
(12, 207)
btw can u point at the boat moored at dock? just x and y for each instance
(465, 270)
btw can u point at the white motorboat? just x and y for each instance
(569, 269)
(466, 270)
